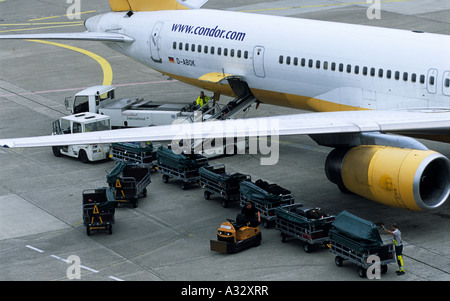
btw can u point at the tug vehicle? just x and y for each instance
(235, 236)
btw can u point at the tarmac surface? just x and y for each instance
(167, 236)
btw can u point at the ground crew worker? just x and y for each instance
(398, 244)
(202, 99)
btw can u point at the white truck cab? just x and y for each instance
(82, 123)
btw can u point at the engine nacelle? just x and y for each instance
(397, 177)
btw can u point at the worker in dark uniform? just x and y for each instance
(398, 244)
(251, 214)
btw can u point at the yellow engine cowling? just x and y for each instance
(397, 177)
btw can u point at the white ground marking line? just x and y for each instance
(35, 249)
(65, 260)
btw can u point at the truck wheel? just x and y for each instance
(83, 157)
(56, 151)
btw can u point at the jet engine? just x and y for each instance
(397, 177)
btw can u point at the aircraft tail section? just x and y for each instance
(154, 5)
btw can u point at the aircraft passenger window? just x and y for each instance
(225, 51)
(310, 63)
(288, 60)
(212, 49)
(219, 51)
(431, 80)
(380, 73)
(193, 47)
(388, 74)
(413, 77)
(199, 48)
(356, 69)
(341, 67)
(303, 62)
(280, 59)
(325, 65)
(239, 53)
(318, 64)
(186, 46)
(422, 79)
(397, 75)
(365, 70)
(180, 46)
(372, 71)
(205, 50)
(405, 76)
(447, 82)
(295, 61)
(232, 52)
(333, 66)
(174, 45)
(246, 54)
(349, 68)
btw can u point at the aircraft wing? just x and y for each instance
(86, 36)
(308, 123)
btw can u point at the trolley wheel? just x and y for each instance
(165, 178)
(307, 247)
(224, 203)
(362, 272)
(184, 185)
(110, 229)
(267, 224)
(144, 193)
(338, 261)
(384, 268)
(135, 203)
(207, 195)
(283, 237)
(88, 231)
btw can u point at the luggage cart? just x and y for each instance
(355, 239)
(215, 180)
(98, 209)
(266, 198)
(129, 182)
(134, 153)
(181, 166)
(309, 225)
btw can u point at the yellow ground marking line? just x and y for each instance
(318, 5)
(106, 67)
(42, 27)
(66, 15)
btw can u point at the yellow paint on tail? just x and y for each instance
(145, 5)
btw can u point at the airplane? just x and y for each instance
(364, 85)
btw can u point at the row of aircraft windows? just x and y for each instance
(357, 70)
(211, 50)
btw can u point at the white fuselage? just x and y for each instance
(305, 64)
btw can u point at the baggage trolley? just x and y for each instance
(214, 180)
(265, 198)
(134, 153)
(98, 209)
(355, 239)
(309, 225)
(129, 181)
(180, 166)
